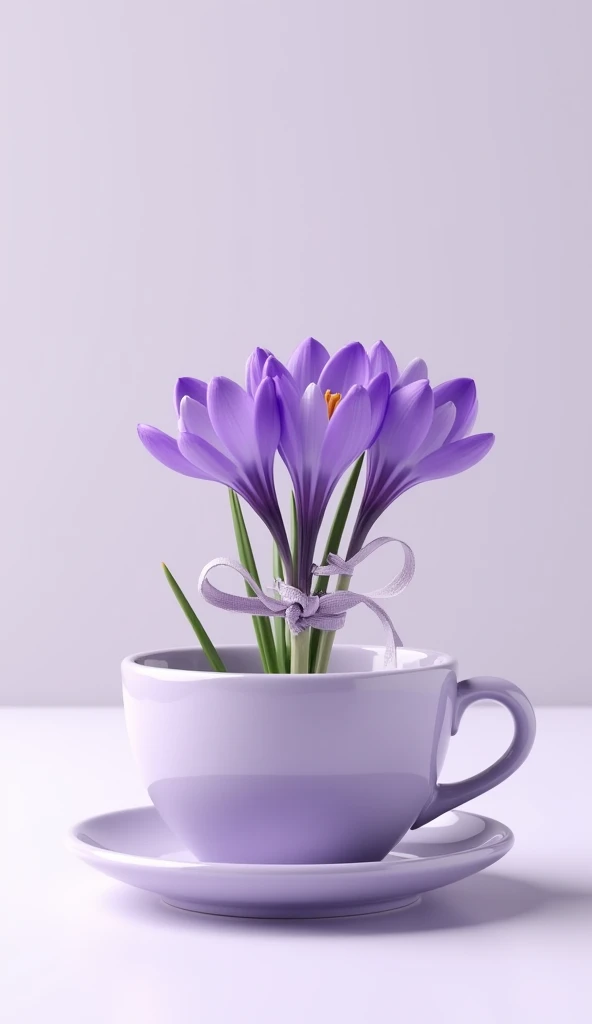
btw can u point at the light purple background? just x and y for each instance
(184, 180)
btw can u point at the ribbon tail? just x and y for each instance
(393, 638)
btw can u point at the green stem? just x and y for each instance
(294, 530)
(206, 644)
(261, 624)
(299, 652)
(279, 624)
(332, 548)
(325, 645)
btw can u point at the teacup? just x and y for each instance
(292, 769)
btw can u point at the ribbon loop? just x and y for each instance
(335, 566)
(325, 611)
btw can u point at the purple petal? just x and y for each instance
(346, 435)
(254, 369)
(463, 393)
(290, 439)
(267, 422)
(212, 464)
(232, 415)
(195, 419)
(347, 367)
(416, 370)
(383, 361)
(306, 363)
(406, 423)
(314, 423)
(452, 458)
(196, 389)
(438, 432)
(378, 392)
(469, 423)
(166, 450)
(275, 368)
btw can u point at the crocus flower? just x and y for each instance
(423, 437)
(326, 424)
(228, 435)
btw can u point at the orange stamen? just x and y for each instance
(332, 401)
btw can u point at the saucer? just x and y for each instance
(135, 846)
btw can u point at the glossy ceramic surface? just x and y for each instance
(252, 768)
(136, 847)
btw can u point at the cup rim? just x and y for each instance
(439, 660)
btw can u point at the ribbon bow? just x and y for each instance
(321, 611)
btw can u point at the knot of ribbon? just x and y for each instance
(321, 611)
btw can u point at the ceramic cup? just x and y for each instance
(274, 769)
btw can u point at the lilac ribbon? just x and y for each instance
(321, 611)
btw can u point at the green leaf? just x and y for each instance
(332, 547)
(294, 521)
(206, 644)
(261, 624)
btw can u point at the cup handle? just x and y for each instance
(450, 794)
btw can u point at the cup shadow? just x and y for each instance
(483, 899)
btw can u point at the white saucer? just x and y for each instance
(135, 846)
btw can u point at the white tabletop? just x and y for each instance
(513, 943)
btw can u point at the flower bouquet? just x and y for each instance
(323, 415)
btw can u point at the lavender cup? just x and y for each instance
(246, 767)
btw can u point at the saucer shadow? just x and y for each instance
(483, 899)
